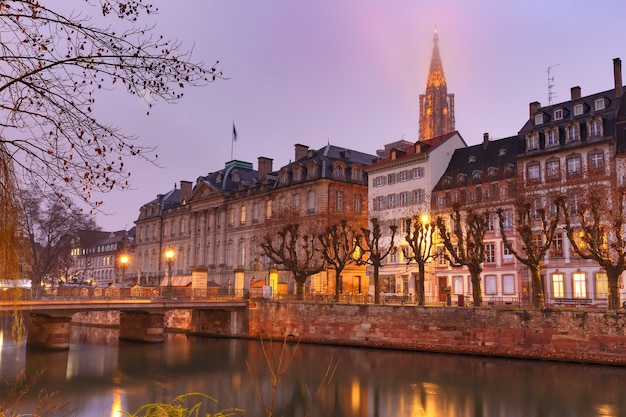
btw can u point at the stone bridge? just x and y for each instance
(141, 320)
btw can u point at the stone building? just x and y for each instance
(215, 227)
(399, 188)
(482, 177)
(563, 149)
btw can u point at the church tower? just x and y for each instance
(436, 105)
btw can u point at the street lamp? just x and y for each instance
(123, 263)
(169, 259)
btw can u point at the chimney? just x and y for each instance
(185, 190)
(575, 91)
(485, 140)
(264, 167)
(301, 151)
(533, 107)
(617, 74)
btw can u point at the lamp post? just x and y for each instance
(123, 263)
(169, 259)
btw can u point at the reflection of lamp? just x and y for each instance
(169, 258)
(123, 263)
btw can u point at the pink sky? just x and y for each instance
(349, 72)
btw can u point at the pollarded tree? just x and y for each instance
(536, 230)
(464, 244)
(373, 252)
(419, 237)
(339, 246)
(293, 248)
(596, 231)
(53, 65)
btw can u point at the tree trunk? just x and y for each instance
(419, 285)
(613, 299)
(376, 286)
(476, 288)
(300, 281)
(337, 283)
(537, 287)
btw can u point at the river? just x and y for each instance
(100, 376)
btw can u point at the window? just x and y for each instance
(602, 284)
(419, 195)
(598, 104)
(558, 285)
(595, 128)
(231, 216)
(552, 137)
(491, 287)
(310, 202)
(339, 202)
(441, 201)
(490, 253)
(282, 203)
(556, 251)
(418, 172)
(471, 197)
(490, 223)
(312, 171)
(391, 178)
(284, 177)
(507, 255)
(358, 204)
(596, 160)
(404, 175)
(457, 285)
(404, 199)
(539, 118)
(472, 158)
(573, 165)
(508, 284)
(532, 141)
(579, 284)
(241, 254)
(296, 202)
(391, 200)
(558, 114)
(572, 132)
(255, 212)
(338, 171)
(486, 194)
(507, 220)
(553, 169)
(357, 174)
(574, 203)
(297, 174)
(268, 209)
(379, 181)
(578, 109)
(532, 171)
(242, 215)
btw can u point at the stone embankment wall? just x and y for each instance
(577, 335)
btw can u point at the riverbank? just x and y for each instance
(575, 335)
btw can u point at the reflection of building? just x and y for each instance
(216, 227)
(482, 177)
(563, 149)
(96, 255)
(399, 188)
(436, 105)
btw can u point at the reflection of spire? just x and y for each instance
(436, 105)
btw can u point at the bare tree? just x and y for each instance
(536, 231)
(419, 236)
(53, 65)
(288, 245)
(51, 227)
(596, 231)
(339, 245)
(373, 252)
(464, 244)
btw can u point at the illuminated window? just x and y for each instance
(558, 285)
(242, 215)
(268, 209)
(602, 284)
(579, 284)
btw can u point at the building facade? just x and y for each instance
(215, 228)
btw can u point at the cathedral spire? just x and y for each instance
(436, 105)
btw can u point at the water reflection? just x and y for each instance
(100, 376)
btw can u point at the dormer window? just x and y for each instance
(594, 127)
(312, 171)
(218, 177)
(338, 171)
(472, 158)
(492, 171)
(572, 132)
(284, 177)
(532, 141)
(502, 152)
(357, 174)
(297, 174)
(235, 176)
(539, 118)
(477, 175)
(578, 109)
(558, 114)
(552, 137)
(599, 104)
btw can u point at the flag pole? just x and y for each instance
(232, 141)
